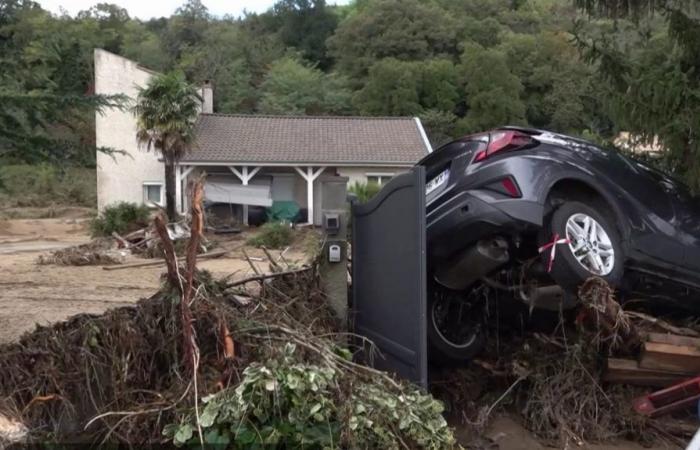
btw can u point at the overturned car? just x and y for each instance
(535, 214)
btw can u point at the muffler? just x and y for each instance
(550, 298)
(473, 263)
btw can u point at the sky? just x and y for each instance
(146, 9)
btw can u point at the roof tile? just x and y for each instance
(307, 139)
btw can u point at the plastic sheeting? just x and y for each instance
(221, 191)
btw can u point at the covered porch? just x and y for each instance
(256, 185)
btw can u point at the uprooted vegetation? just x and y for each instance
(252, 362)
(554, 379)
(101, 251)
(273, 235)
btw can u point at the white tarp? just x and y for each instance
(222, 191)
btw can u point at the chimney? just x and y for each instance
(207, 94)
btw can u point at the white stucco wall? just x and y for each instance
(121, 177)
(355, 174)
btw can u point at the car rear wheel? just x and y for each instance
(587, 245)
(455, 325)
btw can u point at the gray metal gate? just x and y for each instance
(388, 268)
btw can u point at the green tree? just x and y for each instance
(292, 88)
(492, 91)
(408, 30)
(306, 25)
(166, 111)
(652, 85)
(404, 88)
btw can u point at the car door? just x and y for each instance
(688, 223)
(655, 239)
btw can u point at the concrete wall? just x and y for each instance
(121, 178)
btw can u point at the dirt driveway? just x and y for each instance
(32, 293)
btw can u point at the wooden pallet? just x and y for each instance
(665, 359)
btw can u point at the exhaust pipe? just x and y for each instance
(473, 263)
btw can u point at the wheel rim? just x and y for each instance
(452, 323)
(590, 244)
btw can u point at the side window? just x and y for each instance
(153, 194)
(379, 178)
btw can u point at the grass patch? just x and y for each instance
(273, 235)
(122, 217)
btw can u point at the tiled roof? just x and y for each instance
(307, 139)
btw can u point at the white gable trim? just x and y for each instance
(423, 135)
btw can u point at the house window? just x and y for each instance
(153, 194)
(379, 178)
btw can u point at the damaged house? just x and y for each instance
(251, 161)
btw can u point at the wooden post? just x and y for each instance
(310, 176)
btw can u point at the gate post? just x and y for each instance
(334, 260)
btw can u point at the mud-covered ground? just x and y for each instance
(31, 293)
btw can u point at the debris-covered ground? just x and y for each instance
(35, 293)
(125, 375)
(548, 373)
(252, 361)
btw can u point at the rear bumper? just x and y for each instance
(469, 216)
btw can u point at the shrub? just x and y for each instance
(272, 235)
(45, 185)
(120, 217)
(364, 191)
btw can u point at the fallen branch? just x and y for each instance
(265, 276)
(160, 263)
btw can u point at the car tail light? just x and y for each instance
(502, 141)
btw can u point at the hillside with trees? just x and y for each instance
(579, 67)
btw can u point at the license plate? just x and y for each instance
(437, 181)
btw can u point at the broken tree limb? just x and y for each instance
(265, 276)
(168, 250)
(160, 263)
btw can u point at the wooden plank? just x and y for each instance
(627, 371)
(673, 358)
(673, 339)
(160, 262)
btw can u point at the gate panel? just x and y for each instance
(388, 267)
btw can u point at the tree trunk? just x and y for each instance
(170, 206)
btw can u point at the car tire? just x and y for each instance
(601, 253)
(441, 348)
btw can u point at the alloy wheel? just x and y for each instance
(590, 244)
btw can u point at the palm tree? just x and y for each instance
(166, 111)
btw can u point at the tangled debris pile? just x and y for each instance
(555, 380)
(254, 361)
(144, 243)
(100, 251)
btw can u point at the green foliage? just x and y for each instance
(306, 25)
(493, 92)
(273, 235)
(401, 88)
(364, 191)
(288, 404)
(292, 88)
(45, 185)
(408, 30)
(122, 217)
(166, 112)
(650, 79)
